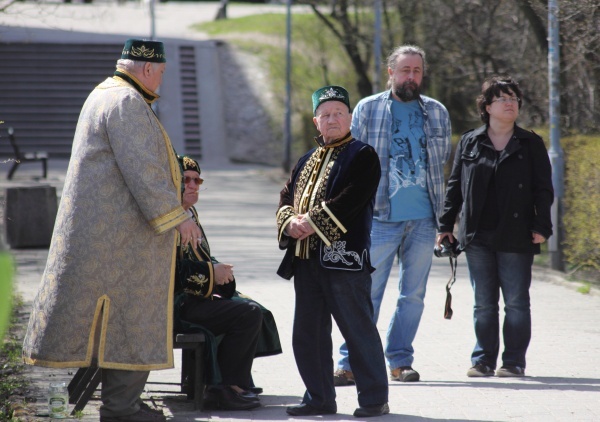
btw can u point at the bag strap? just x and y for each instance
(448, 307)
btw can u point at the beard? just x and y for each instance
(408, 91)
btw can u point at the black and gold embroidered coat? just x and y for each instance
(195, 270)
(334, 185)
(195, 283)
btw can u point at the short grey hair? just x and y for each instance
(131, 66)
(404, 50)
(135, 67)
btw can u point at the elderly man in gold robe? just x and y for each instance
(105, 297)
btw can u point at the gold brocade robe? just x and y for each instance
(106, 292)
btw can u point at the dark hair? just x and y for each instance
(494, 87)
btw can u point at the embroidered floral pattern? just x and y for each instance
(325, 224)
(337, 253)
(199, 280)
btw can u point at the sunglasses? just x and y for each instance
(197, 180)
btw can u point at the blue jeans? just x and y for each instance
(321, 294)
(412, 242)
(490, 273)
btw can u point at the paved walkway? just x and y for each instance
(238, 213)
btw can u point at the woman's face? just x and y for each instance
(504, 108)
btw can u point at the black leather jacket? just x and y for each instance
(523, 188)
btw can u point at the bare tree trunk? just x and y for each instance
(352, 41)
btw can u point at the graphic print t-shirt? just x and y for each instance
(409, 198)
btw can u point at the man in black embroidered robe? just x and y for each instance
(204, 289)
(324, 222)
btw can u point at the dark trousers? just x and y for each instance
(239, 322)
(345, 295)
(121, 391)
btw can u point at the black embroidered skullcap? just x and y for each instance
(144, 51)
(188, 163)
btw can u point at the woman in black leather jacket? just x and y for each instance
(501, 183)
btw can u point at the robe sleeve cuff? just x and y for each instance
(284, 216)
(170, 220)
(326, 225)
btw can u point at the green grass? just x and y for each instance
(313, 47)
(317, 60)
(585, 288)
(11, 365)
(11, 380)
(268, 24)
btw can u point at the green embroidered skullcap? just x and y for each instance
(144, 51)
(188, 163)
(330, 93)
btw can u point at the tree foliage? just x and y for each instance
(469, 40)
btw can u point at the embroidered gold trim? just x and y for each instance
(333, 217)
(141, 85)
(318, 231)
(284, 216)
(168, 221)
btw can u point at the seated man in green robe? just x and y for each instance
(206, 299)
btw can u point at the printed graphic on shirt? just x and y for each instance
(408, 153)
(409, 197)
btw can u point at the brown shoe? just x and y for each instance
(404, 374)
(342, 378)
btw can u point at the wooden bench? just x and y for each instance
(86, 380)
(24, 157)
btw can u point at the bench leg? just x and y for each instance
(13, 169)
(192, 374)
(82, 387)
(199, 377)
(187, 365)
(45, 167)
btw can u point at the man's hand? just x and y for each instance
(190, 233)
(299, 227)
(223, 273)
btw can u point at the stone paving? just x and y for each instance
(237, 209)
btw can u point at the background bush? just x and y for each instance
(582, 202)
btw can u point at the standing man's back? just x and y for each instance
(105, 297)
(411, 134)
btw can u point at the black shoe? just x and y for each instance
(256, 390)
(369, 411)
(306, 409)
(480, 370)
(225, 398)
(404, 374)
(249, 395)
(147, 408)
(511, 371)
